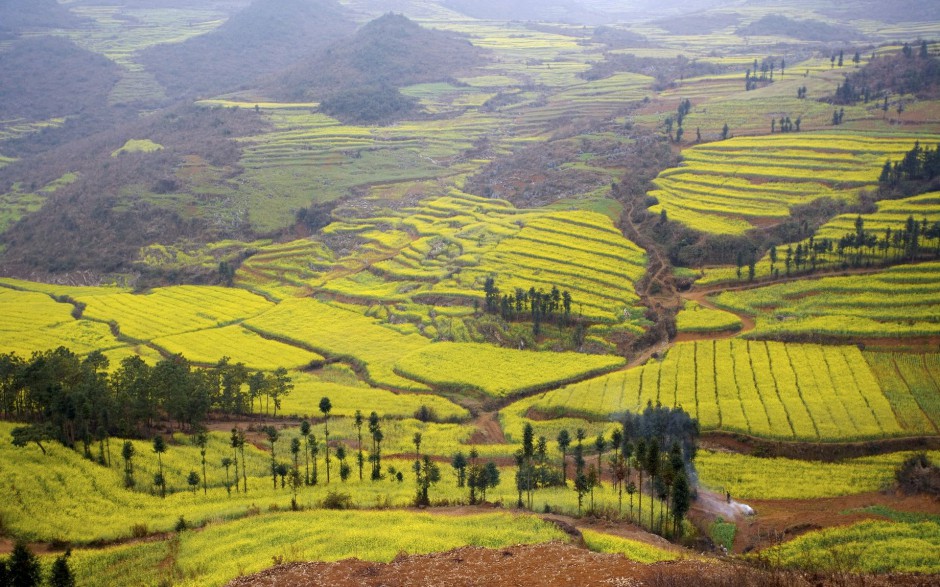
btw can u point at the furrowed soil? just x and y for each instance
(545, 565)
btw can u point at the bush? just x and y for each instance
(917, 474)
(337, 500)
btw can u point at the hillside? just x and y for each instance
(47, 77)
(264, 38)
(805, 30)
(18, 16)
(357, 80)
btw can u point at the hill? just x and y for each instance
(804, 30)
(44, 77)
(17, 16)
(357, 80)
(261, 40)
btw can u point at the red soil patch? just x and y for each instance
(784, 519)
(545, 565)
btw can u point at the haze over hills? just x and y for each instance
(17, 16)
(595, 259)
(258, 41)
(357, 79)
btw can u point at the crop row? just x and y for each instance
(775, 390)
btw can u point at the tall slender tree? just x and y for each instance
(325, 408)
(305, 432)
(159, 447)
(202, 441)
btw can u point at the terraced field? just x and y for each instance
(33, 321)
(732, 186)
(240, 345)
(768, 389)
(898, 302)
(446, 247)
(497, 371)
(748, 477)
(172, 310)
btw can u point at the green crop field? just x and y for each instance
(767, 389)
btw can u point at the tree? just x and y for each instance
(698, 135)
(841, 55)
(651, 464)
(600, 444)
(159, 447)
(202, 441)
(344, 469)
(60, 574)
(564, 441)
(428, 474)
(640, 458)
(295, 453)
(233, 441)
(305, 432)
(724, 131)
(681, 501)
(375, 457)
(459, 464)
(281, 386)
(325, 408)
(127, 453)
(226, 464)
(23, 569)
(272, 435)
(36, 433)
(359, 459)
(193, 480)
(314, 448)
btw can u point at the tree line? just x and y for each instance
(72, 399)
(908, 242)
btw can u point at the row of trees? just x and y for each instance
(535, 304)
(75, 399)
(288, 472)
(908, 242)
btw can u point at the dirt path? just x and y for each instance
(488, 430)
